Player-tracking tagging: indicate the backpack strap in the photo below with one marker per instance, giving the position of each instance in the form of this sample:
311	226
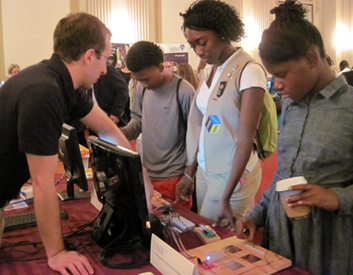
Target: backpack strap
182	121
241	73
181	117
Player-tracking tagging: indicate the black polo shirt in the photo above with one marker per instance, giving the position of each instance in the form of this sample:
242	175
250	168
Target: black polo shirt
33	106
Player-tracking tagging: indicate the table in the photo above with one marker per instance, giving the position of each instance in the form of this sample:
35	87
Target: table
30	258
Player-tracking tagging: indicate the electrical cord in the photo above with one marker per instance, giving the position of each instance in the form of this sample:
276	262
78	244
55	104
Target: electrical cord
180	245
138	254
60	180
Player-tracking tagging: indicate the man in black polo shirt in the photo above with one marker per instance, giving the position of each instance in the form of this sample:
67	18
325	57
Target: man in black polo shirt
33	106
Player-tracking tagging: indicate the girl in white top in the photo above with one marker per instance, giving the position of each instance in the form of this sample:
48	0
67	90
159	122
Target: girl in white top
220	131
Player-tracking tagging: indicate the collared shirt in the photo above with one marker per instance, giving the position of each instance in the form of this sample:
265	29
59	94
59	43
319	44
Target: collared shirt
33	106
315	141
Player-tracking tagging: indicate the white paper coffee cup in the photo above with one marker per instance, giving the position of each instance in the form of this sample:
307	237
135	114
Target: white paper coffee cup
282	187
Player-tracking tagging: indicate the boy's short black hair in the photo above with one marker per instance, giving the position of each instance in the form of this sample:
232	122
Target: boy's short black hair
144	55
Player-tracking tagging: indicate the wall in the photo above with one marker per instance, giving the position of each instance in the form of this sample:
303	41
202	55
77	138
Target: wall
27	26
171	25
27	29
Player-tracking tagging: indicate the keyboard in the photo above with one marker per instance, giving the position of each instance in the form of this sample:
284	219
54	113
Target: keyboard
25	220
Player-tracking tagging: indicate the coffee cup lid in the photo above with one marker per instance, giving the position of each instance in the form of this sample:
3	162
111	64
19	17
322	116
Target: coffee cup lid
283	185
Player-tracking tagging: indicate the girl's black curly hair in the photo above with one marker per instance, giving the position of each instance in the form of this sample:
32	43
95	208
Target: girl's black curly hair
143	55
290	35
216	16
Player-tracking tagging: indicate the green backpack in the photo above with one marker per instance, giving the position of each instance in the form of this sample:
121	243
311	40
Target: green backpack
266	132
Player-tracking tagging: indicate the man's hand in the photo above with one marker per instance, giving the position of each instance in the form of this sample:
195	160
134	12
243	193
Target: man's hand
184	189
70	261
246	229
314	195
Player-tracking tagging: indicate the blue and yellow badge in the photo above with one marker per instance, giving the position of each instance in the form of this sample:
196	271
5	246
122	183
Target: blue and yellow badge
213	124
222	86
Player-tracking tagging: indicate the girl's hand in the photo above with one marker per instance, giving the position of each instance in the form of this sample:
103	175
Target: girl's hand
225	212
314	195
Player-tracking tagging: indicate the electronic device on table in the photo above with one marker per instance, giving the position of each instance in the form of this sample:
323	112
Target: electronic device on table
118	180
22	220
236	256
69	153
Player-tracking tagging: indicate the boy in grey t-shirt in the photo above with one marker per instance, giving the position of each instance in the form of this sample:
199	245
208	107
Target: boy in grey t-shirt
160	113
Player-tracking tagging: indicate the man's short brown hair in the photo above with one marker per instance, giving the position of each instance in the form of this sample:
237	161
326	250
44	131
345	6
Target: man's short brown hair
77	33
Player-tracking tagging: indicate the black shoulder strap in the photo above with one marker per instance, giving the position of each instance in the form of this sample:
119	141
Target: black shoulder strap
181	116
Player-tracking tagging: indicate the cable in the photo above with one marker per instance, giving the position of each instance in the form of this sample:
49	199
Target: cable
59	181
6	257
139	256
81	228
138	253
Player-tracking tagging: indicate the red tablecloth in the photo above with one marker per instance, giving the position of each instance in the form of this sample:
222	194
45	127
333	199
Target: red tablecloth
29	257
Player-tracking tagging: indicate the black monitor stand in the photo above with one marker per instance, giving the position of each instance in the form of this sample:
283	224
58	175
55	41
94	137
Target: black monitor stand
71	193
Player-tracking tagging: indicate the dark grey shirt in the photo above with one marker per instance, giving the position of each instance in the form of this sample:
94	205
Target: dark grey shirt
316	142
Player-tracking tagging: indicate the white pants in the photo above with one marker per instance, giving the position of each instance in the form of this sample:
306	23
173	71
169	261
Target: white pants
2	224
209	190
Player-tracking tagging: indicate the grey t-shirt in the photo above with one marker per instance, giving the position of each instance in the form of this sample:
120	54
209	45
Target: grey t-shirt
156	114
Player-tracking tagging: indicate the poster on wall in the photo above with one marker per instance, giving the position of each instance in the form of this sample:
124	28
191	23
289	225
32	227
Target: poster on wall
176	54
118	52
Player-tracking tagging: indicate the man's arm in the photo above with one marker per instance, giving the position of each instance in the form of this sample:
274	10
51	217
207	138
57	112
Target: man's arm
42	169
100	123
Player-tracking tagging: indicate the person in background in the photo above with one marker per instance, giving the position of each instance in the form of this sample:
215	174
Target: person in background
160	116
174	67
344	67
349	77
112	94
224	115
33	106
125	72
13	69
132	85
185	71
315	142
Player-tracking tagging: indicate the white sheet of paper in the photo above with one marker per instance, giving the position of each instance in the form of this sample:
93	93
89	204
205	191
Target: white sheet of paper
16	204
168	261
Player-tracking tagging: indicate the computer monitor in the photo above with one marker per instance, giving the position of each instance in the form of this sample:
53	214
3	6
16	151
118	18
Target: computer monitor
70	155
118	180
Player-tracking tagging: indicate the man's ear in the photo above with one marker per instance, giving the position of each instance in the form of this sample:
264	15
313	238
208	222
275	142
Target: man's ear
88	55
161	67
